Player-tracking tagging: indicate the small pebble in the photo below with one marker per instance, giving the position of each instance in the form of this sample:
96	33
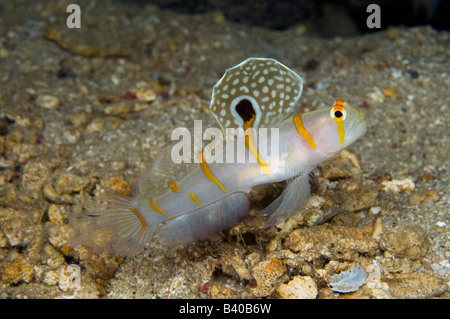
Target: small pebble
441	224
301	287
377	229
69	183
415	285
406	242
119	108
57	214
16	270
399	186
3	240
389	93
375	210
48	102
441	268
376	95
95	126
147	95
268	275
343	165
50	278
362	198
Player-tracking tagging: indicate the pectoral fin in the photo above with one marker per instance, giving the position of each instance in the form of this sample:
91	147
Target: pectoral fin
293	198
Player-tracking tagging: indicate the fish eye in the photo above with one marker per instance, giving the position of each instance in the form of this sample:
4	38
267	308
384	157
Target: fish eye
338	113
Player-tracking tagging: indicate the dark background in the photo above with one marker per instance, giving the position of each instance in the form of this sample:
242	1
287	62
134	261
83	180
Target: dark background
322	17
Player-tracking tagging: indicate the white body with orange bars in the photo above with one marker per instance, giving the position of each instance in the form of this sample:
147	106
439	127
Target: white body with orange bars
182	203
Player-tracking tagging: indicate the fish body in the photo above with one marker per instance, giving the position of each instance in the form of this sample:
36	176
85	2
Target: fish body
182	202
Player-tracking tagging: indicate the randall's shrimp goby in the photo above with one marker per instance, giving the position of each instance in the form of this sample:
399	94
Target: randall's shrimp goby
187	196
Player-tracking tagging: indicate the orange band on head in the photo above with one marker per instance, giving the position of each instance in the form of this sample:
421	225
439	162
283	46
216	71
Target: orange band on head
339	106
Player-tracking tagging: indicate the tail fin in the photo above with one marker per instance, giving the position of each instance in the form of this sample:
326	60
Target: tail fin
115	226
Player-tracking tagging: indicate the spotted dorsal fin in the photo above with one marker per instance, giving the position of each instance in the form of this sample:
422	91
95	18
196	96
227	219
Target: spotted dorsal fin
259	92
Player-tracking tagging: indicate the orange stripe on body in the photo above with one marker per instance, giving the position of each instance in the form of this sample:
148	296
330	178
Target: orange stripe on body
173	186
194	199
139	216
298	123
250	144
157	209
208	174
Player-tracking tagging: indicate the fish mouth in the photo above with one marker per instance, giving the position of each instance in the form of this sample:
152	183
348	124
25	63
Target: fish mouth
362	125
358	128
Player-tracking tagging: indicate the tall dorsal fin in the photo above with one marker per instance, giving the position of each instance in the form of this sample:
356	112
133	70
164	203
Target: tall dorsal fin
166	173
259	91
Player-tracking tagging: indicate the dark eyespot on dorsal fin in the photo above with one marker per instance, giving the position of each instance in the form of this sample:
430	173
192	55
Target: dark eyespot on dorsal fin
245	110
